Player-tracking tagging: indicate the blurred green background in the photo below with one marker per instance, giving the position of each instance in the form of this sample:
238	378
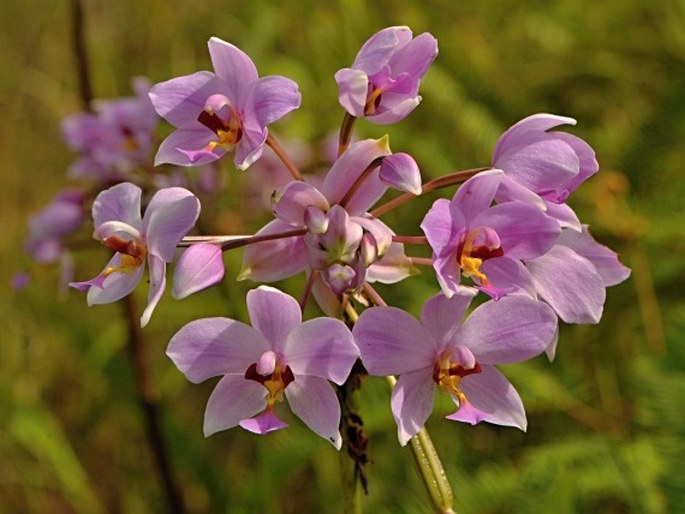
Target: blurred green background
606	418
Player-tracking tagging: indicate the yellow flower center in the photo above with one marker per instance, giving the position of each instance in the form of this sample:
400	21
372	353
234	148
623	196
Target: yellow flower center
274	382
133	254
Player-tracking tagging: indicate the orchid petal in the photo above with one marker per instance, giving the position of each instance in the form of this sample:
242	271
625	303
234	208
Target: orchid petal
441	232
353	88
391	341
232	66
209	347
564	215
233	400
442	316
181	100
199	267
524	230
412	402
513	329
321	347
493	395
602	258
169	216
118	203
116	285
295	199
570	284
270	99
401	172
274	314
157	277
277	259
415	57
313	400
396	110
392	267
250	147
378	49
475	195
266	422
187	147
534	123
348	168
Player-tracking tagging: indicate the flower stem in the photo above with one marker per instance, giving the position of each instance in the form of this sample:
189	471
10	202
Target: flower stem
421	261
360	180
437	183
345	133
426	457
150	408
85	88
278	150
412	240
430	468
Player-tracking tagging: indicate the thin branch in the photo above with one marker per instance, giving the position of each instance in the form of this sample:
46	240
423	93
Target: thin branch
437	183
345	133
278	150
78	40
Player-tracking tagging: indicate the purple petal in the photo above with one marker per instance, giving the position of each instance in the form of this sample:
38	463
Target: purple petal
295	199
475	195
441	232
232	66
187	147
401	172
511	191
116	285
270	99
233	400
415	57
392	267
250	146
524	230
382	235
448	273
534	123
509	276
602	258
378	49
412	402
494	397
325	297
199	267
512	329
586	156
392	342
442	316
321	347
157	277
274	314
313	400
541	162
269	261
570	284
169	216
209	347
353	88
564	215
118	203
347	169
395	108
266	422
181	100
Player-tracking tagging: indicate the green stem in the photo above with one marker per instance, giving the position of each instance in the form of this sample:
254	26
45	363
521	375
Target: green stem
430	468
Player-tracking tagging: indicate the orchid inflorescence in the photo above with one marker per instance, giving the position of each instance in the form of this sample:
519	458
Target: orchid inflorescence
506	235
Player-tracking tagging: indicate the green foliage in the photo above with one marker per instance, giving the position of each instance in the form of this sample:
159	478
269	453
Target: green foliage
606	419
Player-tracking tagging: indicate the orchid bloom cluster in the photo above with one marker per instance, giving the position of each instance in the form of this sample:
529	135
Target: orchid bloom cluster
507	237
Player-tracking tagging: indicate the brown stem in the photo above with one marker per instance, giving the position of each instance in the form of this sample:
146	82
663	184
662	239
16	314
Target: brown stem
437	183
278	150
308	288
421	261
150	407
345	133
360	180
135	337
77	33
412	240
258	239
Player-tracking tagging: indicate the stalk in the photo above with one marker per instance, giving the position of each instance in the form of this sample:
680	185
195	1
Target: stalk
278	150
